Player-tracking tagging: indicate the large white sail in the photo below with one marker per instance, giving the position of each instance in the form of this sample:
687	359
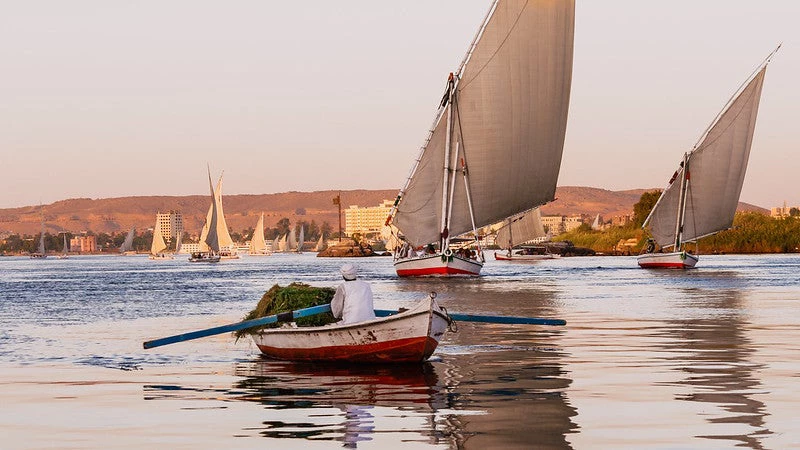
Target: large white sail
521	229
127	245
509	114
223	235
258	245
716	173
211	240
158	244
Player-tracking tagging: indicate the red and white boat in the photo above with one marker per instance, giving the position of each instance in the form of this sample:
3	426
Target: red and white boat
409	336
495	145
674	260
437	265
702	196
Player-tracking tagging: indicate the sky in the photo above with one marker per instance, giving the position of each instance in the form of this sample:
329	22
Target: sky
106	99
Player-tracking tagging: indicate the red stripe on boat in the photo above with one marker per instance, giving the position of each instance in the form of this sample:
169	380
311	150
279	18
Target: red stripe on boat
401	350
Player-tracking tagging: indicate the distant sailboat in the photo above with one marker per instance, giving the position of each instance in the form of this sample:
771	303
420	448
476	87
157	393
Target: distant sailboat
209	244
516	232
291	240
158	246
41	252
321	244
495	146
64	254
227	248
127	246
703	204
301	240
258	245
178	244
276	244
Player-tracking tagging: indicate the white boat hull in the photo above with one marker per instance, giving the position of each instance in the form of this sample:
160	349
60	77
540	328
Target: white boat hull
410	336
674	260
437	265
204	257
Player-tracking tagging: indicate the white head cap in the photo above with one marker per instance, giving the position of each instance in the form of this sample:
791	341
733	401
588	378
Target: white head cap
348	271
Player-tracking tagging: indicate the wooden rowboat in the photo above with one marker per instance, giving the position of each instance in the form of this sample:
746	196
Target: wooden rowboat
409	336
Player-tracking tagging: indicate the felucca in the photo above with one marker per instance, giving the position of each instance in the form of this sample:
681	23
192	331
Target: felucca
703	204
494	149
209	243
519	230
158	246
258	245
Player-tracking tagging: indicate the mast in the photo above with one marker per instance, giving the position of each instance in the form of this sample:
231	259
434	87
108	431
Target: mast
448	142
682	203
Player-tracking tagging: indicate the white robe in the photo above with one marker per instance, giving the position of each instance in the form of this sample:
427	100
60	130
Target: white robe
353	302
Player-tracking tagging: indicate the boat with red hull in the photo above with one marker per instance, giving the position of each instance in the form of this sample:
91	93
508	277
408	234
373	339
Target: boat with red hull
674	260
409	336
437	265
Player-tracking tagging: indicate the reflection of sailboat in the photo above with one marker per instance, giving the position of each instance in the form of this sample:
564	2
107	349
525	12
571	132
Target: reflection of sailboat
41	252
227	248
518	231
64	254
127	245
495	146
258	245
705	203
209	244
158	246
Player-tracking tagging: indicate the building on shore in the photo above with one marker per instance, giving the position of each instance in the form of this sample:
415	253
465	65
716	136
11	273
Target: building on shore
366	221
556	225
784	211
83	244
171	224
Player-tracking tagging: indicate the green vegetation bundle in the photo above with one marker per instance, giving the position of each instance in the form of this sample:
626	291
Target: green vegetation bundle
283	299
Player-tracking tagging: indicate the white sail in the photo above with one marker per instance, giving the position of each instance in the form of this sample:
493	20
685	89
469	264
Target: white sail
320	244
127	245
283	245
211	240
158	244
223	234
276	244
178	243
66	248
301	239
716	170
521	229
258	245
291	242
509	112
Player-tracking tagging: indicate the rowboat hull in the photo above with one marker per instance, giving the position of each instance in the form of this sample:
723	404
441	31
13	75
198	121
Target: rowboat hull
437	266
410	336
674	260
517	257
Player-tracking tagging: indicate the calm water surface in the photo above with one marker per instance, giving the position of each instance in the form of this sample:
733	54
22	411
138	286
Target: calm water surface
706	358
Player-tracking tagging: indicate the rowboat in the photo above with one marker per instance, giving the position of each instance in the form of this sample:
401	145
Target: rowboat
408	336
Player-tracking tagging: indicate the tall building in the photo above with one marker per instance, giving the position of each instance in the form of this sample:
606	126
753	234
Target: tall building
367	220
170	223
83	244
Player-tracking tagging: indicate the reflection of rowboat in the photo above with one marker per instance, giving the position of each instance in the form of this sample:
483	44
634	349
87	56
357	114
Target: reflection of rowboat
409	336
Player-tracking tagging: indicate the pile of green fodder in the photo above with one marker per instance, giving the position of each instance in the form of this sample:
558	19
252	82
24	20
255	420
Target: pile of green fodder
292	297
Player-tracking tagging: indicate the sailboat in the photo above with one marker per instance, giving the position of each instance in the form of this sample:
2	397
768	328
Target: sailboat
321	244
64	254
276	244
519	230
41	252
209	243
258	245
301	240
178	244
494	149
127	246
291	240
158	246
227	248
701	197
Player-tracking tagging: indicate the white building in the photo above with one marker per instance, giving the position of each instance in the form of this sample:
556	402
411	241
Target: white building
367	220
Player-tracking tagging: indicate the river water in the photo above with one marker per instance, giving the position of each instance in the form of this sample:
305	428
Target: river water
706	358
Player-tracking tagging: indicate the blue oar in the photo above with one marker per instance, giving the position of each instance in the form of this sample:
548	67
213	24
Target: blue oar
489	319
282	317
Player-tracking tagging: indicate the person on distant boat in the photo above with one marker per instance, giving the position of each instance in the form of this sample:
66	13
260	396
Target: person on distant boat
353	299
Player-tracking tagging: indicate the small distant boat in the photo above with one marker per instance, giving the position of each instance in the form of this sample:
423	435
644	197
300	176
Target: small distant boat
127	246
409	336
524	228
321	244
703	204
158	246
209	240
41	252
258	245
494	148
301	240
64	254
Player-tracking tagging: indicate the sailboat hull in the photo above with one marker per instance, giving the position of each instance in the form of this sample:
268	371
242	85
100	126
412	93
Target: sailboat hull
675	260
437	266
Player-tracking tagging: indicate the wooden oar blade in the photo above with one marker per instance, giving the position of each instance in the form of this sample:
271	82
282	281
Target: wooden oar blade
282	317
489	319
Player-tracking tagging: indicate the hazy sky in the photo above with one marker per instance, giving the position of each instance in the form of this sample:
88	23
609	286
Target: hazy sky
110	98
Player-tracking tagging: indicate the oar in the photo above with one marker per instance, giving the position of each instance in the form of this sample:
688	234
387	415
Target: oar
488	319
282	317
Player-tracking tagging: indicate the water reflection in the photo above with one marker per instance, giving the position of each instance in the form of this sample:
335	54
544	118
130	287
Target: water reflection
716	357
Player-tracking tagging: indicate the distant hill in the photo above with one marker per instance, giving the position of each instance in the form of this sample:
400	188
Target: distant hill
111	215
